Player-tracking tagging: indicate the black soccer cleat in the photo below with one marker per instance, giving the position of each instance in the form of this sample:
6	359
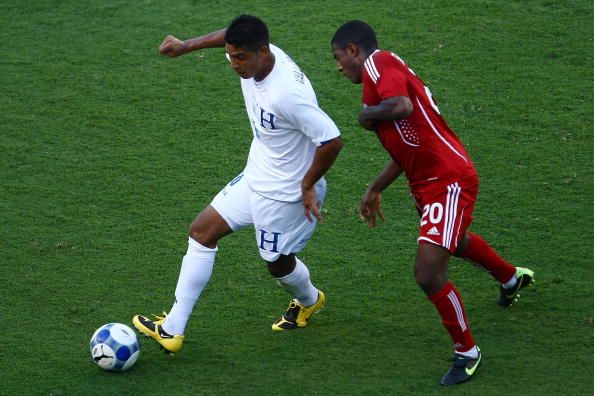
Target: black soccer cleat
463	369
525	277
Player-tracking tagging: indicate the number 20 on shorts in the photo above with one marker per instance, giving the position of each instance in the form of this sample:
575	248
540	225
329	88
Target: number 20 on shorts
434	211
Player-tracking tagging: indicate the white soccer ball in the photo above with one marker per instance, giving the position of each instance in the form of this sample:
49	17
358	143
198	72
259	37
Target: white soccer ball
115	347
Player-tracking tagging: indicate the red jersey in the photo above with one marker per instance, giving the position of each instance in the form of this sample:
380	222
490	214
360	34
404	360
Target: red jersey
422	144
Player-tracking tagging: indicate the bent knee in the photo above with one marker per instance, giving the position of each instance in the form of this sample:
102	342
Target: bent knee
283	266
203	235
208	227
430	282
424	280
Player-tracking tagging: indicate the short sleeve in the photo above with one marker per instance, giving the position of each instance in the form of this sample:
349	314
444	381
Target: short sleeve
307	117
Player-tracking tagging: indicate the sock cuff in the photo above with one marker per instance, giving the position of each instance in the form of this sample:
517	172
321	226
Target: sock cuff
199	249
449	286
471	352
300	272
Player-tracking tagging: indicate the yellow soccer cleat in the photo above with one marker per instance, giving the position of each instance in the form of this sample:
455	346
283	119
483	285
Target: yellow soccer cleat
152	328
297	315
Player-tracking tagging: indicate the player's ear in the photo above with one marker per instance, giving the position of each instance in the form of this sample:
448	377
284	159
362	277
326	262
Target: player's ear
352	50
265	49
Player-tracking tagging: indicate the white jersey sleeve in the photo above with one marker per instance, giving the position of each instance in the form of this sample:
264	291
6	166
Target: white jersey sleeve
308	117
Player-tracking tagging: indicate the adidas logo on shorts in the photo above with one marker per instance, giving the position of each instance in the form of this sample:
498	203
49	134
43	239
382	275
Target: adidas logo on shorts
433	231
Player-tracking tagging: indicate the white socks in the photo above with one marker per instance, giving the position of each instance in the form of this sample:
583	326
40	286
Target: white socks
298	284
471	353
510	283
195	272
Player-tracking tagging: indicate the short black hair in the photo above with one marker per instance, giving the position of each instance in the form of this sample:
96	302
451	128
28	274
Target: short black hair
356	32
247	32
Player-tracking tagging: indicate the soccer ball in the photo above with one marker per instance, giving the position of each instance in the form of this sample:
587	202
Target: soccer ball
114	347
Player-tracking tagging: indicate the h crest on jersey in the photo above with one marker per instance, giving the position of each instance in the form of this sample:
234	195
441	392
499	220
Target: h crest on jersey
266	119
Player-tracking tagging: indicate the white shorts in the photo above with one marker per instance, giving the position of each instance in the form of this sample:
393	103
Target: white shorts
281	227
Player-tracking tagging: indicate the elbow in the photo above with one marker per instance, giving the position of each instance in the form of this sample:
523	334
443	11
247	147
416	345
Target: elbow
407	108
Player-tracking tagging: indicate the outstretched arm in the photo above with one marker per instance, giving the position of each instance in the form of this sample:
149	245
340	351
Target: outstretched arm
173	47
325	156
372	199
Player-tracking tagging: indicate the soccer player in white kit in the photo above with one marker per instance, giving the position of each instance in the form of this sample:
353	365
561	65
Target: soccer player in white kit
280	190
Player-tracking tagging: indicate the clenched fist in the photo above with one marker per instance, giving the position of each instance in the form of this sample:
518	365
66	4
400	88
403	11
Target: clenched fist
172	47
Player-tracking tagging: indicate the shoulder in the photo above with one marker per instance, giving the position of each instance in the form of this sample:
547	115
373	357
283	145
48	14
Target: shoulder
380	60
380	63
287	98
282	60
288	69
290	85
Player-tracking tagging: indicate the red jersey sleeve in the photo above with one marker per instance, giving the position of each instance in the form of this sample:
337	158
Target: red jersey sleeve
385	73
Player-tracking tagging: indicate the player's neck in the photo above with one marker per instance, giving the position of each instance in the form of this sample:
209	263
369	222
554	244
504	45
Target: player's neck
367	54
267	67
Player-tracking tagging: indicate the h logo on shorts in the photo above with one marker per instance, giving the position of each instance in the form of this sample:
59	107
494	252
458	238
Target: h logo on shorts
263	120
273	241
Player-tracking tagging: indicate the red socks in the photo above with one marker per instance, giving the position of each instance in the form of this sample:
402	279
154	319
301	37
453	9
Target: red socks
448	302
449	305
481	253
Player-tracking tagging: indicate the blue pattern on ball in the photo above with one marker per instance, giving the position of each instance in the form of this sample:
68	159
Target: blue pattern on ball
123	353
103	336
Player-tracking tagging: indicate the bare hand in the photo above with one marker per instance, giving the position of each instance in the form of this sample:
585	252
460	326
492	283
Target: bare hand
311	204
172	47
371	203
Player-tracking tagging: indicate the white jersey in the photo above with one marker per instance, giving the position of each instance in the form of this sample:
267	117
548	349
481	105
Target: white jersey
288	125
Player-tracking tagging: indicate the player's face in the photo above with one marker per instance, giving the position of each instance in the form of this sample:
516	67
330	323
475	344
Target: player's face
243	62
348	63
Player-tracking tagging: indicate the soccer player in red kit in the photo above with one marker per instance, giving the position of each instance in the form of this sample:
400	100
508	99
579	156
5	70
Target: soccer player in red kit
399	108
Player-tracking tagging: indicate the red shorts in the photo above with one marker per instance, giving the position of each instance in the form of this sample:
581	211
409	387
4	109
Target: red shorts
446	212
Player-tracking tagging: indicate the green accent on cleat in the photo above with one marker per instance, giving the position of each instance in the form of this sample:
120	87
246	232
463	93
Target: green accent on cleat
463	369
525	277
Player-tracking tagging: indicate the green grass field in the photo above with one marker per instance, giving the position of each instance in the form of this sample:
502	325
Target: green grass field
108	151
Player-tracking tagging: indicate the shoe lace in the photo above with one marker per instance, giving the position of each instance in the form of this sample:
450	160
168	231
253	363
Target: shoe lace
158	319
293	310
